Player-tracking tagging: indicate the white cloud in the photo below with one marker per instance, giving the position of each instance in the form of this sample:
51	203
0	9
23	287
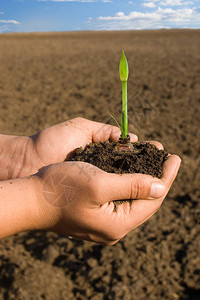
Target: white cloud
83	1
149	4
10	22
160	18
67	0
7	25
130	2
175	2
4	28
169	2
120	16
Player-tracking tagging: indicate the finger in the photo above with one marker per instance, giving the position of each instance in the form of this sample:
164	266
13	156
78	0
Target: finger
133	137
170	169
95	131
98	131
129	186
114	137
111	133
137	186
142	210
104	132
157	144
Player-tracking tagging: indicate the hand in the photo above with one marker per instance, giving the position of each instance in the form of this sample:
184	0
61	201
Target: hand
75	199
23	156
56	143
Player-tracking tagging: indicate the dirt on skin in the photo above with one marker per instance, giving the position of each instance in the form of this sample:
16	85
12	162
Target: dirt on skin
49	78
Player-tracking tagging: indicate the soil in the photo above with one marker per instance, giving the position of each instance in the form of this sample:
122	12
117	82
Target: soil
46	79
144	158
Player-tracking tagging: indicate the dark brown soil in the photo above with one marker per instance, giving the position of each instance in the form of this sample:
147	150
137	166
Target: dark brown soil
144	158
48	78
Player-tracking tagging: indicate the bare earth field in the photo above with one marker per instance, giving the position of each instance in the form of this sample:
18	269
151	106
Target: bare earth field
49	78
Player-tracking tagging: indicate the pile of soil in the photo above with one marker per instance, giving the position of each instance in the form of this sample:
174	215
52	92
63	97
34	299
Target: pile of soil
158	260
142	158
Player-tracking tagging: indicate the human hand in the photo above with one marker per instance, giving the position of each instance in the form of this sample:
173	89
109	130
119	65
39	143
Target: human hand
75	199
22	156
58	142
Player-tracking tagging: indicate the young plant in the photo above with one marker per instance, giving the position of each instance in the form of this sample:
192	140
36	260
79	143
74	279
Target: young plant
124	140
123	72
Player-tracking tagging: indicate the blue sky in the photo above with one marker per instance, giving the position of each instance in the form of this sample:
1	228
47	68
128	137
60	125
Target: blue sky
70	15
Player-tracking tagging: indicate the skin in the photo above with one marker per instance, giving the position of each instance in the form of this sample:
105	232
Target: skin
22	156
75	198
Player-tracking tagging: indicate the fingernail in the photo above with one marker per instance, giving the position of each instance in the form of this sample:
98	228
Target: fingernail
157	190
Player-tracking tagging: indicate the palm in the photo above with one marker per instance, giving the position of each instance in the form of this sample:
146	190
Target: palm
55	143
58	142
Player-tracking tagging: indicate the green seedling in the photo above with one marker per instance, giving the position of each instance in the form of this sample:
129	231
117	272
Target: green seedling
124	140
123	72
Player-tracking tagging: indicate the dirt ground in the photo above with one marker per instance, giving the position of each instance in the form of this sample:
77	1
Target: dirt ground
49	78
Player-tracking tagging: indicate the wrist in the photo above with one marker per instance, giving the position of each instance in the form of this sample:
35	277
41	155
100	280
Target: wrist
44	216
17	157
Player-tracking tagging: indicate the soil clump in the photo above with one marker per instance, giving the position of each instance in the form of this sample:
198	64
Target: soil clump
144	158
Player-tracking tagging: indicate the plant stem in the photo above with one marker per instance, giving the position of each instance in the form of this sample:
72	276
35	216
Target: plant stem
124	120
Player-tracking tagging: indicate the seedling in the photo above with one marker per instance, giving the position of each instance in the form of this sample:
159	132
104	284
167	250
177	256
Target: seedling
124	140
123	72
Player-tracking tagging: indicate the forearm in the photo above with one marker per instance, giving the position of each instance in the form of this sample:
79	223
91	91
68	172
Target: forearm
23	207
16	157
18	206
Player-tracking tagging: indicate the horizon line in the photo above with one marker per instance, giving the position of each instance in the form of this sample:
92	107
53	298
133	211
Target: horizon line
94	30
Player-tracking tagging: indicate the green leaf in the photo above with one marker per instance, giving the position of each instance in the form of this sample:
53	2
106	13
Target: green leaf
123	68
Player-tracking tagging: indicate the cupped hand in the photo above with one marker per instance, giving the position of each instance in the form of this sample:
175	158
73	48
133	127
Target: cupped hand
56	143
75	199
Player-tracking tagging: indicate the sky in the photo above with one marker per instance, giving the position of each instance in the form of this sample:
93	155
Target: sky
76	15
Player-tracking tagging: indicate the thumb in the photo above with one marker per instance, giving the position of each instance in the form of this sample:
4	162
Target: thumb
131	186
139	186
